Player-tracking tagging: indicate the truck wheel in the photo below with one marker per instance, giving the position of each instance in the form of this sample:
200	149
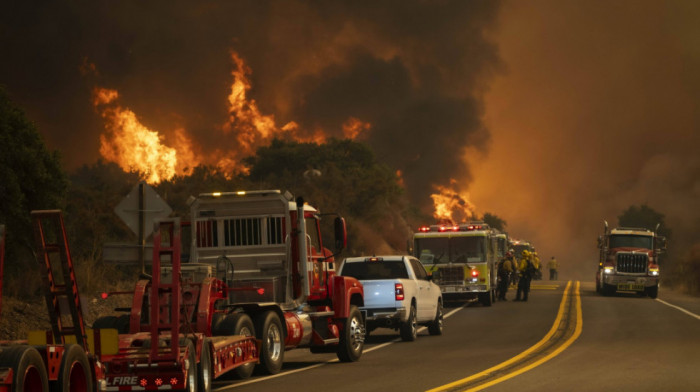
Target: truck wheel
192	372
268	328
352	337
29	372
435	326
608	290
204	373
485	298
75	374
236	324
122	324
653	291
409	328
105	322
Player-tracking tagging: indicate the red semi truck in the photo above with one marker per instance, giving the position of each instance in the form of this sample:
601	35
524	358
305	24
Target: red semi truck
268	248
629	261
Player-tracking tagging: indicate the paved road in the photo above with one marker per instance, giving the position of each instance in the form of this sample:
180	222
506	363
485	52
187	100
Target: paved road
566	337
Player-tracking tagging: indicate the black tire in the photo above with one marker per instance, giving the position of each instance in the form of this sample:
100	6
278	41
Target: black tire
236	324
29	371
75	374
352	337
409	328
597	286
485	298
105	322
435	327
608	290
122	324
204	371
268	328
653	292
192	372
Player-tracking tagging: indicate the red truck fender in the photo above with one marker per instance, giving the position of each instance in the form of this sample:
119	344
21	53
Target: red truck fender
347	291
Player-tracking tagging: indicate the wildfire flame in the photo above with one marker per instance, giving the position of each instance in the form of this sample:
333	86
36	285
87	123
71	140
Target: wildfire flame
354	127
451	205
134	147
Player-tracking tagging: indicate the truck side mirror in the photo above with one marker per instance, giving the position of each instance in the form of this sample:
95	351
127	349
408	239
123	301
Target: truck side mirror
341	234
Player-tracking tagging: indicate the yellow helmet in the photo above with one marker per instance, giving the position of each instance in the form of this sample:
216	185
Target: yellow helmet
525	253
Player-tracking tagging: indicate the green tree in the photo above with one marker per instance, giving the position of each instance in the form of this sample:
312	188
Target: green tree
646	217
94	192
340	176
31	178
495	221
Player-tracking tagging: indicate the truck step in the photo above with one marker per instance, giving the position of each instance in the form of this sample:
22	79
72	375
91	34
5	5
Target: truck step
322	314
331	341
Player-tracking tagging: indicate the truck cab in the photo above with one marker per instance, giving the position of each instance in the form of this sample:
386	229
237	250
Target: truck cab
629	261
461	258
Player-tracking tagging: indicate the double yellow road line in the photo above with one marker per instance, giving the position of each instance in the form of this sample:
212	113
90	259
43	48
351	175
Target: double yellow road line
565	330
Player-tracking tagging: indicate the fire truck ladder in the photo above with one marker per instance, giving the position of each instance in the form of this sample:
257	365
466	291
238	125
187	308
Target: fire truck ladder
62	298
166	251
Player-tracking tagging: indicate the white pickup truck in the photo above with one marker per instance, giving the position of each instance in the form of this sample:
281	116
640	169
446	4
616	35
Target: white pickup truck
399	294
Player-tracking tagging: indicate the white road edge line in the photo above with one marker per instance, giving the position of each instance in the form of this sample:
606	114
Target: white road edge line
223	388
689	313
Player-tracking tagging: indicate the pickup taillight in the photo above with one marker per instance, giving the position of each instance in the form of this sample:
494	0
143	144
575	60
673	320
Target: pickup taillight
475	273
398	291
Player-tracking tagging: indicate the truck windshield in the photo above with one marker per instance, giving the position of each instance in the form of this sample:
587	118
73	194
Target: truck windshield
435	250
374	270
631	241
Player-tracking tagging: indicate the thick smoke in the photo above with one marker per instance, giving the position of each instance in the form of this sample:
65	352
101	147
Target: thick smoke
415	70
598	111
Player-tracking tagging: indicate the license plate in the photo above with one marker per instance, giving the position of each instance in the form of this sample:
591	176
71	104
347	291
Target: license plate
630	287
449	289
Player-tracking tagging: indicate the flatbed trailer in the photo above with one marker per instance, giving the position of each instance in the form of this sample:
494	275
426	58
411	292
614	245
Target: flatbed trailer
149	357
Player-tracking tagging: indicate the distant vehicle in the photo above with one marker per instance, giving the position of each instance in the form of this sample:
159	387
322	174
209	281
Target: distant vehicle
629	261
399	294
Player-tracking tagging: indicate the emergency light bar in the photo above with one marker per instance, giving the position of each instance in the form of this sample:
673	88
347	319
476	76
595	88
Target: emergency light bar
463	227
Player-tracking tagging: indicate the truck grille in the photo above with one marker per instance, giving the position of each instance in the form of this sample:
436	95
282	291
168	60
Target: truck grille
632	262
452	275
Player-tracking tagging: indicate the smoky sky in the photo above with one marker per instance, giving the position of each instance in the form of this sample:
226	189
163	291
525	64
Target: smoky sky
597	111
415	70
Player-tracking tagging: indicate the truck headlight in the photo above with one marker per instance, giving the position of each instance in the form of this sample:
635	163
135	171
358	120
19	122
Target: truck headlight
654	271
609	269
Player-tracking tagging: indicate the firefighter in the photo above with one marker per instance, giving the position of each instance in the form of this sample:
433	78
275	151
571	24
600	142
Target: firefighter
553	266
514	275
527	270
505	269
536	260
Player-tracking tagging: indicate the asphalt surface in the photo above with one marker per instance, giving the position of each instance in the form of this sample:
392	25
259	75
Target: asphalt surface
578	341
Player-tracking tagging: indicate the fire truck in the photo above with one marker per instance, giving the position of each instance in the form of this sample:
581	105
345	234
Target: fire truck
629	261
267	247
462	258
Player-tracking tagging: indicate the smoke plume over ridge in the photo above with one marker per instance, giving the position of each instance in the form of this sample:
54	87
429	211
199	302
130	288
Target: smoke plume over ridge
413	71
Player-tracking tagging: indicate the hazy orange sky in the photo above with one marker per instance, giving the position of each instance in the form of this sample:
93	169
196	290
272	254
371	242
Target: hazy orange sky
597	110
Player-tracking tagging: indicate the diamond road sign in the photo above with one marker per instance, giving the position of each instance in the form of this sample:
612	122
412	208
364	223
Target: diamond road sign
153	208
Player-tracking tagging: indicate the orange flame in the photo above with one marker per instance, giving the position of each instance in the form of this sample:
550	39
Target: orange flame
399	176
451	205
354	127
134	147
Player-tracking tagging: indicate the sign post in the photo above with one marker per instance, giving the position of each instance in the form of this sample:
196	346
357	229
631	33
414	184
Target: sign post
139	209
